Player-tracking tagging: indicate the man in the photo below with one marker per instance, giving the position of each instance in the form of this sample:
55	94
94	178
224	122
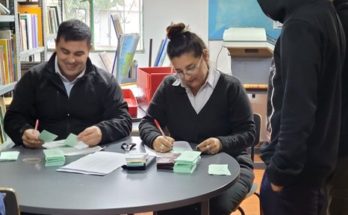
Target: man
338	204
306	106
68	94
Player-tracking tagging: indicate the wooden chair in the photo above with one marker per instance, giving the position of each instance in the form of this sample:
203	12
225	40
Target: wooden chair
257	120
10	201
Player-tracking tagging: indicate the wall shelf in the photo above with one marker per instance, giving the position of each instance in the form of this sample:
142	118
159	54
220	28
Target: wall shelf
28	53
7	88
7	18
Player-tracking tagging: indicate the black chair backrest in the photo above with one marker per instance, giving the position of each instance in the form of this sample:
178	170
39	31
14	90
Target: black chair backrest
257	120
10	201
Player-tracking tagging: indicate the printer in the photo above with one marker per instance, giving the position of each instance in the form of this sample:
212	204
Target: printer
251	57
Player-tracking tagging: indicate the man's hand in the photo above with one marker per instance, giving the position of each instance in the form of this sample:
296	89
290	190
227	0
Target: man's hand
211	145
31	139
163	144
276	188
91	136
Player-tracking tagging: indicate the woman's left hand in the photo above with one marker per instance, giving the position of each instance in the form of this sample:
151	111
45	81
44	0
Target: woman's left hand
211	145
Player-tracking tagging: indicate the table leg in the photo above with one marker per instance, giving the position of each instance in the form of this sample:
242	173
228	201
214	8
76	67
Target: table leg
205	207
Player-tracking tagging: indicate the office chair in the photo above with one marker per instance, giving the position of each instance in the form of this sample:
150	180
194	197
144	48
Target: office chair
10	200
257	120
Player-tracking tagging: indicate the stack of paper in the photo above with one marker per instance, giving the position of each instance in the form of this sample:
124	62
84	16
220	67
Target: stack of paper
9	156
187	162
167	162
99	163
136	159
54	157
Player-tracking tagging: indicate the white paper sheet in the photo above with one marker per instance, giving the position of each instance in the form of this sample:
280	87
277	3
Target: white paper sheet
99	163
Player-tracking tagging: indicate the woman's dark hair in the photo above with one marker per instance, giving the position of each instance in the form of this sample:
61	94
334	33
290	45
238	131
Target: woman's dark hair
183	41
74	30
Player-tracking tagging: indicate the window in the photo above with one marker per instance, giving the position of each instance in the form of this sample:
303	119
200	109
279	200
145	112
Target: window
97	15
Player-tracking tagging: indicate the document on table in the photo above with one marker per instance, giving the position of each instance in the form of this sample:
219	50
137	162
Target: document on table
99	163
78	149
178	147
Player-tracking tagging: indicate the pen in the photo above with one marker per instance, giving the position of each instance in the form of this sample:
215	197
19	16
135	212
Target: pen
159	127
36	124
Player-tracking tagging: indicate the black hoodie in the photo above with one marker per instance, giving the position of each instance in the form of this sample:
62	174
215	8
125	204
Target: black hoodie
306	95
342	10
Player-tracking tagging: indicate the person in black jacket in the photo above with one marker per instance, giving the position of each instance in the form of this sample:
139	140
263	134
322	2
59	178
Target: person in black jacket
68	94
306	106
338	204
205	107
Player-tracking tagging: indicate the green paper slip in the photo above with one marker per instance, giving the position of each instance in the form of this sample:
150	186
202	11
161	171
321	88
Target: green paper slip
47	136
218	169
184	168
188	157
53	154
54	157
56	163
71	140
181	146
9	156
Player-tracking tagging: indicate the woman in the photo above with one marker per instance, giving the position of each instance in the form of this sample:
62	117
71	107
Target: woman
202	106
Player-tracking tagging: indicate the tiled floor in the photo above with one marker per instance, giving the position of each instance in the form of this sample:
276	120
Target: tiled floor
250	205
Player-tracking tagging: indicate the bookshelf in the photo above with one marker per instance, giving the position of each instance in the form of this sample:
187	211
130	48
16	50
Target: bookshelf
19	56
36	46
13	56
6	21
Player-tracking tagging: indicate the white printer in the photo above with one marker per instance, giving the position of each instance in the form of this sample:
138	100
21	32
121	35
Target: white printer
247	42
251	57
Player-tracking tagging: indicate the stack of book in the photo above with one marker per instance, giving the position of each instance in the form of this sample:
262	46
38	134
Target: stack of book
54	157
134	160
167	162
187	162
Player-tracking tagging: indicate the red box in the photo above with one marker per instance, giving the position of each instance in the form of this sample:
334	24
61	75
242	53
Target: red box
149	78
128	96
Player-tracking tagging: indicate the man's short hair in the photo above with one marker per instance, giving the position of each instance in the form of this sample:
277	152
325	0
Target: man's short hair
74	30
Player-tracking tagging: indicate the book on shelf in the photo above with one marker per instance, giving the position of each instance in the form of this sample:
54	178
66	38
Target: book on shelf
29	31
36	12
107	61
162	52
3	136
54	20
8	55
123	61
116	21
5	3
4	10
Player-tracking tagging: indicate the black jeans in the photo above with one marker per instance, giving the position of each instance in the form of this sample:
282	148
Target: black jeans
293	200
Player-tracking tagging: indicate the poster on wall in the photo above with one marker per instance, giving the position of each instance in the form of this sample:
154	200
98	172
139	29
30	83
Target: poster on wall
224	14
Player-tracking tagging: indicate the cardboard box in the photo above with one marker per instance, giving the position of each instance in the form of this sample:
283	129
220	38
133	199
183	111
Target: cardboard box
149	78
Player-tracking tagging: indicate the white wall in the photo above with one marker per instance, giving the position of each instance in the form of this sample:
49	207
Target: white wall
158	14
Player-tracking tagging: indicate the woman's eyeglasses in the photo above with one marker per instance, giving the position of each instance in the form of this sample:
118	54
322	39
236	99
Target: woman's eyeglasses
189	71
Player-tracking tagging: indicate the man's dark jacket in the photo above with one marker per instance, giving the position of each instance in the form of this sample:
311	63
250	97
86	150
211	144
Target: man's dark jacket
95	99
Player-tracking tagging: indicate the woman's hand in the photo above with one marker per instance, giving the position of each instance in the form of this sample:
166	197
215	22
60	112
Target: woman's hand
211	145
163	144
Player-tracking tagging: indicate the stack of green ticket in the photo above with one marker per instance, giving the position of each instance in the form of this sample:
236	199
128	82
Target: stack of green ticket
187	162
54	157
